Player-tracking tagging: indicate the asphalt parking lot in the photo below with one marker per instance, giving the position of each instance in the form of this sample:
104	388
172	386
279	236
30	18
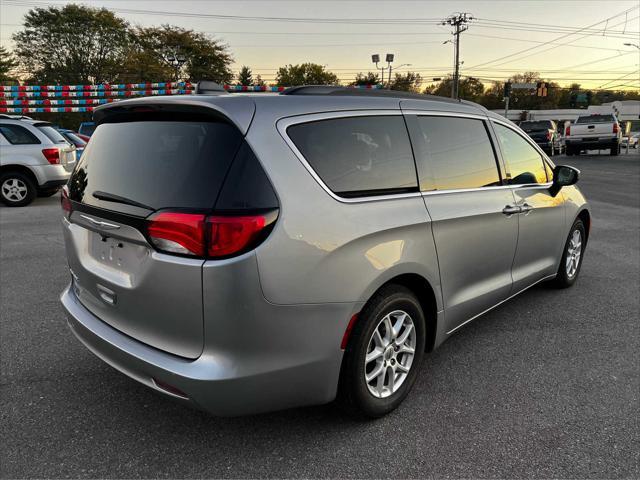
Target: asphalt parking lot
546	385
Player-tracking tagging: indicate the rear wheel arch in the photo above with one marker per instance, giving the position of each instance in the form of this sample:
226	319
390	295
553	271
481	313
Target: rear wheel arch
20	169
425	294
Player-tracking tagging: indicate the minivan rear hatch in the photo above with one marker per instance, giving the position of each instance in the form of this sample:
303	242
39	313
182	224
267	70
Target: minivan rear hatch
136	165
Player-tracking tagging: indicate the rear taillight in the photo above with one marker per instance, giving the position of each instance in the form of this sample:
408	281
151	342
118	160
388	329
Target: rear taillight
548	135
197	235
230	235
52	155
567	131
616	127
178	232
65	203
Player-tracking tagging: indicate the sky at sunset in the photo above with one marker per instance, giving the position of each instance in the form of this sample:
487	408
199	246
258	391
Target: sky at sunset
566	41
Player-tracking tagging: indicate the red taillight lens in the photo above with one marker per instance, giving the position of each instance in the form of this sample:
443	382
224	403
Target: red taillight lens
198	235
65	203
52	155
230	235
176	232
616	127
567	131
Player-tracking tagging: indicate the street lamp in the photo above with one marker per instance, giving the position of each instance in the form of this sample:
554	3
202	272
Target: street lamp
375	58
389	60
176	60
632	45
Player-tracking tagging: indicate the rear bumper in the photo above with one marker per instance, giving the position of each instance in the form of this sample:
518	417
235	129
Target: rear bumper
589	143
52	175
226	382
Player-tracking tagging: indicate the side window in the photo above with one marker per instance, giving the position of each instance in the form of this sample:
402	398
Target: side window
523	161
17	135
359	156
455	153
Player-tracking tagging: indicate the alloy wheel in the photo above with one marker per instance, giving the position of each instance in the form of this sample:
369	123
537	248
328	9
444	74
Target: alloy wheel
390	354
14	190
574	251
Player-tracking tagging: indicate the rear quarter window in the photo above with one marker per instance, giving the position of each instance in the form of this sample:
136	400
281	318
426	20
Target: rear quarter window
51	133
358	156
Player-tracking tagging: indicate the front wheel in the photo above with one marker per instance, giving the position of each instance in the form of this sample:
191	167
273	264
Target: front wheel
571	261
383	356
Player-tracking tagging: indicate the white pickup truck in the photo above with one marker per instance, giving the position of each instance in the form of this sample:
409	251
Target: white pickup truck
593	132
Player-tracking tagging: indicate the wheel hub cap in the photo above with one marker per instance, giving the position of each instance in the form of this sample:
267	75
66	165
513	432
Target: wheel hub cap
390	354
14	189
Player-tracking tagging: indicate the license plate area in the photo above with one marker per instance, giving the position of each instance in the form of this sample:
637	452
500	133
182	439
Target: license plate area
116	253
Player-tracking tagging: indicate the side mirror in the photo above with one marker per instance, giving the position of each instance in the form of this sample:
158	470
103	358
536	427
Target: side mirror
563	176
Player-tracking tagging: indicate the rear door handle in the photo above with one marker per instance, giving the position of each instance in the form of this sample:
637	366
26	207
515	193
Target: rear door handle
511	209
526	208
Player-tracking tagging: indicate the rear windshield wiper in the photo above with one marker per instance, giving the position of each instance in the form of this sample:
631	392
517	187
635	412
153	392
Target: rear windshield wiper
110	197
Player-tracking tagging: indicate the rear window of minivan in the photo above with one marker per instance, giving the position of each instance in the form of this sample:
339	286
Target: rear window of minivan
358	156
155	164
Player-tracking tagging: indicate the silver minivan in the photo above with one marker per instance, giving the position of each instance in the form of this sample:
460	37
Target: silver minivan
251	253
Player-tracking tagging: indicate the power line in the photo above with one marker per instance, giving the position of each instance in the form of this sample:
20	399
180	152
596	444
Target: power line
551	41
620	78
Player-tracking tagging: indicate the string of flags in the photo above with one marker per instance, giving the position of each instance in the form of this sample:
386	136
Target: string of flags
21	99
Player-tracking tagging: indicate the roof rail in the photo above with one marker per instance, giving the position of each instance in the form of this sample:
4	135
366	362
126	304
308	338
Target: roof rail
334	90
207	87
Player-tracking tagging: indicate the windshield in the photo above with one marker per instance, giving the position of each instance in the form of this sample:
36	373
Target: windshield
596	119
87	128
531	126
76	140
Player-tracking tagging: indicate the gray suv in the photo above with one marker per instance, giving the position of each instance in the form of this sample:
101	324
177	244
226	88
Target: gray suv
251	253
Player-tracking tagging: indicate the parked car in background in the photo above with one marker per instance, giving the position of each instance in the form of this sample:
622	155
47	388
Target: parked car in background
545	134
594	132
631	140
35	159
87	128
246	254
75	139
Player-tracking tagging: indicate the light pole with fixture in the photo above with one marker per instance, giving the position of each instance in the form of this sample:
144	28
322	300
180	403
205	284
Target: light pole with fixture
375	58
176	60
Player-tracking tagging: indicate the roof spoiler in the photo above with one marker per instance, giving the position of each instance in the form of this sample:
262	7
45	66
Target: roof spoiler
207	87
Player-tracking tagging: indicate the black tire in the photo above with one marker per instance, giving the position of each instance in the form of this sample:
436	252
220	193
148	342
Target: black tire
10	196
48	193
615	150
353	391
569	151
563	278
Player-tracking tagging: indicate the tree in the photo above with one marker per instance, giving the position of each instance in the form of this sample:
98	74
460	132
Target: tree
259	82
206	59
245	77
469	88
409	82
370	78
305	74
71	44
7	64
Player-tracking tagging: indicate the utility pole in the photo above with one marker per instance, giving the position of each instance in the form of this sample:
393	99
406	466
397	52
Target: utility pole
459	21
